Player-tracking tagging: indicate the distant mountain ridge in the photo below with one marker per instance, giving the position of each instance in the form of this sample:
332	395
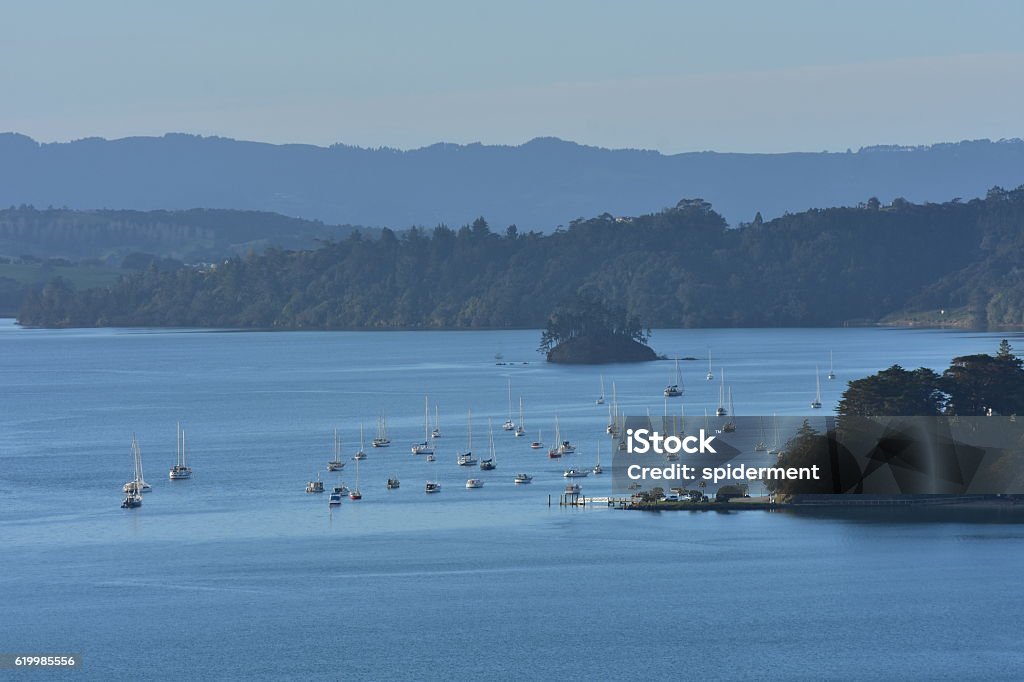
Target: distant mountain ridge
537	185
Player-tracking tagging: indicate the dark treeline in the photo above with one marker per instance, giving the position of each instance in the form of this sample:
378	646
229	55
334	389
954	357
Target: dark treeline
682	267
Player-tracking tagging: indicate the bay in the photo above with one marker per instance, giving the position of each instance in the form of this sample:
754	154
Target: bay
239	573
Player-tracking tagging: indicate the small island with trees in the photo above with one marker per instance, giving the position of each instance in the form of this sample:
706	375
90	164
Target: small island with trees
586	329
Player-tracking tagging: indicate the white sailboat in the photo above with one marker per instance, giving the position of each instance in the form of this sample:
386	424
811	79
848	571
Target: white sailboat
597	467
831	372
492	461
180	470
564	445
761	445
775	447
134	487
613	415
354	494
539	443
521	426
336	464
556	451
424	448
509	425
730	425
710	375
436	433
675	390
360	453
382	440
600	398
816	403
138	483
466	459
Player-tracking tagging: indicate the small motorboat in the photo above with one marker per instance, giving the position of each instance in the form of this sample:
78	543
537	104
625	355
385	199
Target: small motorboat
393	483
475	483
432	487
521	479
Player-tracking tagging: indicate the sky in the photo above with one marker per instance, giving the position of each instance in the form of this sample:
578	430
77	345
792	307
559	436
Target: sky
673	76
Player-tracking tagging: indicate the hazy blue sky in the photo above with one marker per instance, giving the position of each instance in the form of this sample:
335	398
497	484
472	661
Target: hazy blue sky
675	76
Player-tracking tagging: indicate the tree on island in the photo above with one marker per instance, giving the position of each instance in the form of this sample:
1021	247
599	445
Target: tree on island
972	386
978	384
586	328
894	391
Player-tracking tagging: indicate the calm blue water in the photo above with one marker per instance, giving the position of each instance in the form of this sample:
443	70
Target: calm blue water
237	571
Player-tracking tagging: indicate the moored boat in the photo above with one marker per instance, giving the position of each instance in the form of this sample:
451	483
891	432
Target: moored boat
180	470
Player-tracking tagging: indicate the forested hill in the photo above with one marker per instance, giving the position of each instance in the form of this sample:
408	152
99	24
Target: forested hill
678	267
189	235
536	185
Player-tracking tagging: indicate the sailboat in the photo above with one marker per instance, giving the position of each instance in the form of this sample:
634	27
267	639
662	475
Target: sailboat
382	440
521	426
613	415
761	445
597	467
831	372
354	494
180	470
336	464
729	426
721	411
556	451
539	443
600	398
509	424
773	449
436	433
137	484
492	461
816	403
134	487
466	459
675	390
424	448
564	446
710	375
360	453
